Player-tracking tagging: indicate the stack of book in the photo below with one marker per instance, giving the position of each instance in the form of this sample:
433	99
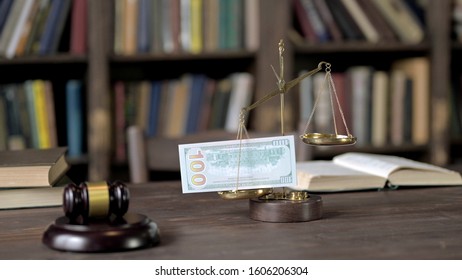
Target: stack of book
372	21
185	26
32	177
36	27
381	108
171	109
27	116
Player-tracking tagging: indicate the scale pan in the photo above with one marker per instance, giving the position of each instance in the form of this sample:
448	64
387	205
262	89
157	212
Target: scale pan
323	139
244	194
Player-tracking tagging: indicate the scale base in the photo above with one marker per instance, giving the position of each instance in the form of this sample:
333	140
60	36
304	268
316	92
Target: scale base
133	231
285	210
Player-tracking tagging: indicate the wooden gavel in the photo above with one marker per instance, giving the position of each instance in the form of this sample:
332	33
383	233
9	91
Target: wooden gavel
95	200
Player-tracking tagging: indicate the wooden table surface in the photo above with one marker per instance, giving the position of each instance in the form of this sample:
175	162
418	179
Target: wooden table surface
421	223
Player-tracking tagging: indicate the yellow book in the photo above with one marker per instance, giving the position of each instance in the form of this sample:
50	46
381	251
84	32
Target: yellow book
119	26
179	102
418	70
27	28
130	27
50	114
210	23
41	113
196	26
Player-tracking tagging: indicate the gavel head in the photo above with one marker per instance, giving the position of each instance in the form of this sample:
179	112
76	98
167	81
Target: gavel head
95	200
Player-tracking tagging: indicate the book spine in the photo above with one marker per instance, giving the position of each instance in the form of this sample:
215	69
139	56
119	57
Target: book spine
252	24
74	118
401	19
361	20
380	108
120	121
318	25
26	29
360	94
63	15
50	114
5	6
143	102
79	21
196	26
211	25
220	104
143	26
10	25
17	31
241	95
306	97
154	109
185	23
234	24
41	113
164	37
345	21
53	26
130	27
30	100
119	32
15	137
323	114
195	103
398	81
38	25
305	25
136	155
3	122
328	19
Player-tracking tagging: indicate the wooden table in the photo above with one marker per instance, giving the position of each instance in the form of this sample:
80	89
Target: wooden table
423	223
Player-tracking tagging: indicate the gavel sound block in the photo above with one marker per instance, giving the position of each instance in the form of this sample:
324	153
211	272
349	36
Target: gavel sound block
96	220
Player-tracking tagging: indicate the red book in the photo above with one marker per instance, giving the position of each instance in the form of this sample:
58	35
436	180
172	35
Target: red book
340	84
305	26
79	20
120	122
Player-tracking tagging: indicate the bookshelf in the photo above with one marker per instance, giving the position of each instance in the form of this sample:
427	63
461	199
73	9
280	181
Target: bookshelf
436	46
100	67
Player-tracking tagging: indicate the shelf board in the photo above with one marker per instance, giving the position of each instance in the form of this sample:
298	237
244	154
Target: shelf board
162	57
389	149
140	66
356	47
457	46
63	58
53	67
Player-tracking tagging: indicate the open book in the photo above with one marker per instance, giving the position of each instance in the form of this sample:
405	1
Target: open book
360	171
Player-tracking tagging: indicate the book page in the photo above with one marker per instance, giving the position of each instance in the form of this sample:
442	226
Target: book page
381	165
320	168
326	176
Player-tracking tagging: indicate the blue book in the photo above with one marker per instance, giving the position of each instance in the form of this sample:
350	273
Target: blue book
74	118
195	103
54	25
144	26
16	139
12	105
5	6
154	109
30	100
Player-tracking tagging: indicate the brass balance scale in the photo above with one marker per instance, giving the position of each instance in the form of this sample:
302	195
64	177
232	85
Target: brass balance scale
287	205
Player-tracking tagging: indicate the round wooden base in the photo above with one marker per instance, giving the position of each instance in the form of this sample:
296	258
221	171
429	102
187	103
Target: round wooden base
133	231
286	211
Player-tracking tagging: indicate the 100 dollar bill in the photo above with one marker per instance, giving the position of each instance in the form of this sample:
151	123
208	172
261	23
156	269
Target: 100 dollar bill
238	164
